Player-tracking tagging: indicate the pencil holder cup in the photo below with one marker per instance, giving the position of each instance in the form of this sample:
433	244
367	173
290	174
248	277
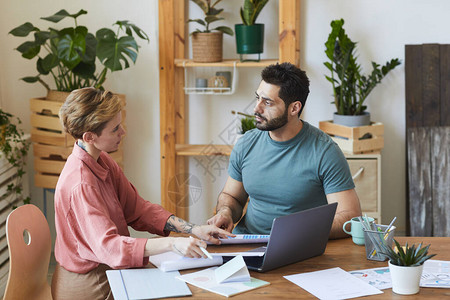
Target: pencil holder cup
373	240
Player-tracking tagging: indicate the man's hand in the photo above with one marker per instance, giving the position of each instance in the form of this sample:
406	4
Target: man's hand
211	233
222	219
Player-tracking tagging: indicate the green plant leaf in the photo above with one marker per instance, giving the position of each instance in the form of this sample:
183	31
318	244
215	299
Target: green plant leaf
30	79
202	4
72	46
85	70
225	29
63	14
24	29
199	21
130	28
114	53
41	37
211	19
44	66
29	49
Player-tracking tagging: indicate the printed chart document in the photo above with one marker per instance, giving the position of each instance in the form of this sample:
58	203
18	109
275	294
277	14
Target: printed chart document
145	284
436	274
333	283
376	277
230	279
170	261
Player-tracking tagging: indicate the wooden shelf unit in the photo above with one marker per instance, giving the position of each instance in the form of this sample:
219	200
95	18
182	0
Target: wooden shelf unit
172	58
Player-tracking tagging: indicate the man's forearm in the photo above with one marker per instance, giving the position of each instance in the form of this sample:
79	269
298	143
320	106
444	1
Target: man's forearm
228	204
176	224
339	219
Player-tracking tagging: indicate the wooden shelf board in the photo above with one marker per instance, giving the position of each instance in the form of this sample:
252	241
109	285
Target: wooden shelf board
203	150
181	62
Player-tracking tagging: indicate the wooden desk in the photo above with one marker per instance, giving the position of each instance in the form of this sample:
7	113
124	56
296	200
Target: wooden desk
339	253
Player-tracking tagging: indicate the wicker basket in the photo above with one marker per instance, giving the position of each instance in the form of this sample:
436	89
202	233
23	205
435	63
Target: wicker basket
207	47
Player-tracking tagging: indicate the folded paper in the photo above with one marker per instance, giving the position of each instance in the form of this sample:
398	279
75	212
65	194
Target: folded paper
233	271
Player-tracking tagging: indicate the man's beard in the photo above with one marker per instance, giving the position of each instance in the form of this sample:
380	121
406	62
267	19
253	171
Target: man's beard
273	124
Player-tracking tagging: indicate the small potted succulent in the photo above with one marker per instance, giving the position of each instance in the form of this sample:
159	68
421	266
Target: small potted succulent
405	266
207	42
350	86
249	34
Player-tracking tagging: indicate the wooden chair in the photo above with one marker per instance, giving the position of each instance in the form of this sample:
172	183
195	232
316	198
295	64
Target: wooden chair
30	246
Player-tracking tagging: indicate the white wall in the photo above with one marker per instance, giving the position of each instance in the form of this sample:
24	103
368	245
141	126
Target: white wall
382	28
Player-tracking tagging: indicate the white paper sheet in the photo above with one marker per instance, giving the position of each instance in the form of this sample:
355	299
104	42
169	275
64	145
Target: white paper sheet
333	283
170	261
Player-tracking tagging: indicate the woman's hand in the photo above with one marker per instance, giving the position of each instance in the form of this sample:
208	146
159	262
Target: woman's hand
211	233
189	247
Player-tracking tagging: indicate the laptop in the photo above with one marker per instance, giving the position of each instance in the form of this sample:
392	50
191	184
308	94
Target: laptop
294	238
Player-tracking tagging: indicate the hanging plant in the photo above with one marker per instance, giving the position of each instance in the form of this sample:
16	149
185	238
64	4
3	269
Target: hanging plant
14	148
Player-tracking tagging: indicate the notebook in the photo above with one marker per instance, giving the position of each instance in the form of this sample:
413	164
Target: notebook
294	238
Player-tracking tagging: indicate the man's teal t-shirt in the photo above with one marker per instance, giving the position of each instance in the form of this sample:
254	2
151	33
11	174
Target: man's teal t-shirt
286	177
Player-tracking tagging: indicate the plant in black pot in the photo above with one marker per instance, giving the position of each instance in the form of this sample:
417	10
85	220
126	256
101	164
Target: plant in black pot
249	35
350	86
207	42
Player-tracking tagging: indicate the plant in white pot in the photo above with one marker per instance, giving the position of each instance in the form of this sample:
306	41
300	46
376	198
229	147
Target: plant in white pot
207	42
406	266
350	86
249	34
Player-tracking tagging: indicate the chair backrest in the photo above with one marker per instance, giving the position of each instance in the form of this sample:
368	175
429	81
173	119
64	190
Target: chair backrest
30	246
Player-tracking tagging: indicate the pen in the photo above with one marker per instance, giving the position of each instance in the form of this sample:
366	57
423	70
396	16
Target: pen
204	250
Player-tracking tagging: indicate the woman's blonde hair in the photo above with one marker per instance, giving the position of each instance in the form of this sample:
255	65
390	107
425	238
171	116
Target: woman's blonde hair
88	110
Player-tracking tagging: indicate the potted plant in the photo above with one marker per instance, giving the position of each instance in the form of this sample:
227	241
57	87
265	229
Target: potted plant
207	43
249	35
245	123
73	58
405	266
14	149
71	55
350	86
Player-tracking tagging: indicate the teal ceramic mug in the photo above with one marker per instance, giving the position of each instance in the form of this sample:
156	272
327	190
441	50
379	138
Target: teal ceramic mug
356	230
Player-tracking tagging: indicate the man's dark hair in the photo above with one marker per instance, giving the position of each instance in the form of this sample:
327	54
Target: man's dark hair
293	82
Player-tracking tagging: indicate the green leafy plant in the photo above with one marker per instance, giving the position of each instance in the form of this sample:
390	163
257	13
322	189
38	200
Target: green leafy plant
211	16
14	148
250	11
70	54
247	121
350	87
407	256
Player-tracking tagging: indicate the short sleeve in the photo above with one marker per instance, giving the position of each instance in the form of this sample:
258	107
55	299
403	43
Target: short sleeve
235	165
334	171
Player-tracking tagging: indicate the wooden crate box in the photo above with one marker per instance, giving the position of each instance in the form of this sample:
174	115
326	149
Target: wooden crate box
49	161
355	140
